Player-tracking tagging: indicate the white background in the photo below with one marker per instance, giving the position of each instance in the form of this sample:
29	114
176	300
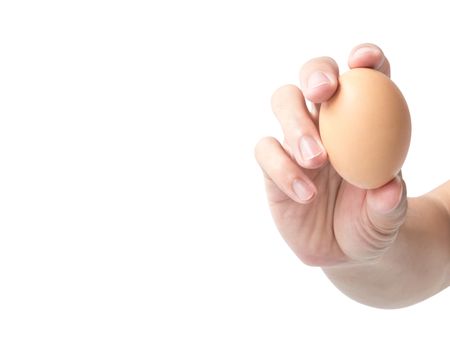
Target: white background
132	212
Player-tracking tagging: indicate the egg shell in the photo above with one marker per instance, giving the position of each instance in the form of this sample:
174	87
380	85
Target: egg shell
366	128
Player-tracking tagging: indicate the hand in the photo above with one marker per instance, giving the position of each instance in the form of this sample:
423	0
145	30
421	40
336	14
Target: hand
324	219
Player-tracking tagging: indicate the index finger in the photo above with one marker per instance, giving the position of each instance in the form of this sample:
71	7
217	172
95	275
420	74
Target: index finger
319	79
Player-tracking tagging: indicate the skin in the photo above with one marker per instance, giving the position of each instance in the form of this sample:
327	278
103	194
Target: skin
379	247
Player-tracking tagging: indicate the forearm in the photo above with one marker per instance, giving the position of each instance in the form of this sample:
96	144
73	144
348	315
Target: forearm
414	268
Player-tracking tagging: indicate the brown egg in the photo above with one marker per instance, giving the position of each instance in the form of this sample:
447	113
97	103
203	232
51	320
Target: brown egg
366	128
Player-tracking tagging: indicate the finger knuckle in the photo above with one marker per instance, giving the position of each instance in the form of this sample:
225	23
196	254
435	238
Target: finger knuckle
263	145
280	167
281	96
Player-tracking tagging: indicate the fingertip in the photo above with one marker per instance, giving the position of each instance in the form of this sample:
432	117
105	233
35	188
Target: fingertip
304	191
282	171
369	56
314	163
319	79
312	153
320	87
388	197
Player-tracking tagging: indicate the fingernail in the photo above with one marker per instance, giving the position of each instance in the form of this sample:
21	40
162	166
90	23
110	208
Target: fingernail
317	79
389	206
364	51
309	148
302	190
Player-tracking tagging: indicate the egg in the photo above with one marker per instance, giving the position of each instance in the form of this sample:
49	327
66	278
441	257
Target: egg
366	128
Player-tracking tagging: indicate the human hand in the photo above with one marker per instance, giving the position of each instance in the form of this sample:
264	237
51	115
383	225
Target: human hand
325	220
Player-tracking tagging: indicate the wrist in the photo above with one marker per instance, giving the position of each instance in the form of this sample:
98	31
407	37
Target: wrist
428	223
441	199
415	267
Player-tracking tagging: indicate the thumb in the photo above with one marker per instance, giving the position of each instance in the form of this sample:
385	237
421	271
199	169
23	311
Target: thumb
387	206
